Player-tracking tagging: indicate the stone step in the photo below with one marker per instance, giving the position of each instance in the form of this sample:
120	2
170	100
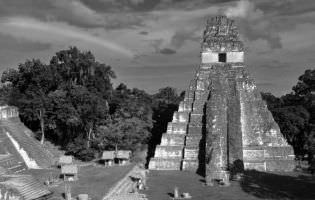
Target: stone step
12	164
191	154
193	140
168	151
190	165
181	117
17	168
185	106
194	130
196	119
172	140
177	128
165	164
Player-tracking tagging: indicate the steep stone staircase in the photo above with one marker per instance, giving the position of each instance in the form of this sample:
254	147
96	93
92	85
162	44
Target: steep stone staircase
20	133
10	163
26	186
181	144
169	154
194	143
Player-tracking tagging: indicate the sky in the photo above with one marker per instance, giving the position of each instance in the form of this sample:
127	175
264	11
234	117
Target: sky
152	44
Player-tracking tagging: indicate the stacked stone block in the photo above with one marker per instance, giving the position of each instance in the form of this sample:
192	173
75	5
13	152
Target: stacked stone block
223	119
217	120
194	145
168	155
264	147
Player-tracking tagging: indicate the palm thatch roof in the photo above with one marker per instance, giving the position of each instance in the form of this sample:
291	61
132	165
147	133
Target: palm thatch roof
108	155
69	169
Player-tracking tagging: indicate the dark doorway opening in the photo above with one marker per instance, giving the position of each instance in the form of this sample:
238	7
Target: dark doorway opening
222	57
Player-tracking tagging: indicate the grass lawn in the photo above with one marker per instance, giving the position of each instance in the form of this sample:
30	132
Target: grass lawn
93	180
254	186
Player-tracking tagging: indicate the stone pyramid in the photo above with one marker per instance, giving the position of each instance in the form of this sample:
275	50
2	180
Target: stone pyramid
222	119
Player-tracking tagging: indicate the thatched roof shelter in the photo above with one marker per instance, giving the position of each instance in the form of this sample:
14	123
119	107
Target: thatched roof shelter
65	160
69	169
123	154
108	155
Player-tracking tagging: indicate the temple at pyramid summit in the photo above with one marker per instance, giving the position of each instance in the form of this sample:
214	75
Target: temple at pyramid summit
222	119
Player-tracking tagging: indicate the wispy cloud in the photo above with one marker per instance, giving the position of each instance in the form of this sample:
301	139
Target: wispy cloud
36	30
242	9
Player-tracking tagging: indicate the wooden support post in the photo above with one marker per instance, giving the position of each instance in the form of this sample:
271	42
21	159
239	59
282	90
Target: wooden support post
67	190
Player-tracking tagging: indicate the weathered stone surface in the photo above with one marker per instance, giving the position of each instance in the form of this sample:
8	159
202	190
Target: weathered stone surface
181	117
193	140
168	152
191	154
173	140
223	119
165	164
221	34
217	151
190	165
177	128
194	130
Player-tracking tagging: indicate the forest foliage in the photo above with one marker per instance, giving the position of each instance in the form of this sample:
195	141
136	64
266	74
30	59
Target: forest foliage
71	102
295	114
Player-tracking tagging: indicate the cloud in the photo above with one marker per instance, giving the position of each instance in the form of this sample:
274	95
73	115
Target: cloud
167	51
181	36
35	30
143	32
122	5
299	38
124	21
73	12
240	10
136	2
76	12
21	45
172	28
243	9
253	23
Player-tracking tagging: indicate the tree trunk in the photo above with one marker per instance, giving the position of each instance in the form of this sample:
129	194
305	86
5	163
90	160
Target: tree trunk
42	125
88	138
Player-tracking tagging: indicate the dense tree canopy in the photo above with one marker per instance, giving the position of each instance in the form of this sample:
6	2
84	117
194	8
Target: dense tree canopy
295	114
71	102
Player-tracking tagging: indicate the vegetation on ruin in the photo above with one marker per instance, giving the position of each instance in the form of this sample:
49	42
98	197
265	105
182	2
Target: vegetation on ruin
71	101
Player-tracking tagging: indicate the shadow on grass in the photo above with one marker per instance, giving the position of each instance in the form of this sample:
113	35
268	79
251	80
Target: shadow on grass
274	186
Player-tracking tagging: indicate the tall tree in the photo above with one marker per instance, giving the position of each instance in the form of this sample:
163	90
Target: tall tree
31	83
67	98
295	113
